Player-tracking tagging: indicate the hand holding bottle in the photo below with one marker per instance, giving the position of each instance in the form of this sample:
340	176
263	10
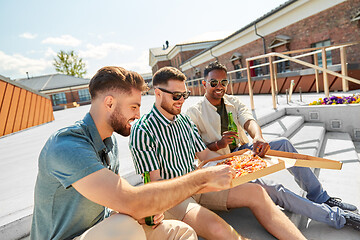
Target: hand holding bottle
226	139
157	219
232	127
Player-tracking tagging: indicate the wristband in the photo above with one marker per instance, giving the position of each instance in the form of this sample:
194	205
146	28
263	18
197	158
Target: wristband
216	145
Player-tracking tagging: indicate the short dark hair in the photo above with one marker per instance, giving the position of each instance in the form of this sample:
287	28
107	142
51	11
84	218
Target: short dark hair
213	66
163	75
116	78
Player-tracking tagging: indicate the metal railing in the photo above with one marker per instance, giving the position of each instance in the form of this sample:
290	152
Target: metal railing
313	52
284	57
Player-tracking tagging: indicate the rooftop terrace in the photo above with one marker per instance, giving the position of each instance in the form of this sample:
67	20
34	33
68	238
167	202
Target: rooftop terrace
19	152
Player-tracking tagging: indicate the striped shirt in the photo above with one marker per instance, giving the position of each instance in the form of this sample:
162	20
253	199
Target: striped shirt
158	143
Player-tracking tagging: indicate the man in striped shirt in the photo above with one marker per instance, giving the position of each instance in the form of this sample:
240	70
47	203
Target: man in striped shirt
165	143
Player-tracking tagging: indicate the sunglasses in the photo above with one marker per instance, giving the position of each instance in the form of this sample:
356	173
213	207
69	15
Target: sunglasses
214	82
176	95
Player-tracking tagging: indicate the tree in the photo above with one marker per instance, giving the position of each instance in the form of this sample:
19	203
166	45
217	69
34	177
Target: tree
69	63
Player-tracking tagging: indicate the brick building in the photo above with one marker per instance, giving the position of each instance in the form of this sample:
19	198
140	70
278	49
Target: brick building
64	90
296	24
176	55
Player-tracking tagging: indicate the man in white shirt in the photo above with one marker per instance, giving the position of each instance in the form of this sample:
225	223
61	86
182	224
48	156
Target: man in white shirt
211	118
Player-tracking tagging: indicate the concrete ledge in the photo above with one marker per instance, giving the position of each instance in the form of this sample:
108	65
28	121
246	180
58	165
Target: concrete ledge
282	127
265	117
344	115
308	138
18	229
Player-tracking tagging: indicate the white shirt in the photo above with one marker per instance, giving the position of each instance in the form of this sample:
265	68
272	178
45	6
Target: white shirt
208	121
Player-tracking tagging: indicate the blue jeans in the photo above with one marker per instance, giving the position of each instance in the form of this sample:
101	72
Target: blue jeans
313	205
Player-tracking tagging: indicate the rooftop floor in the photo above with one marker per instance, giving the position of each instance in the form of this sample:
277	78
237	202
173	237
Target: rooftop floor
19	151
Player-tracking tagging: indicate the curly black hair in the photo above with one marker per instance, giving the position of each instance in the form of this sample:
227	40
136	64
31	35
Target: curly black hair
213	66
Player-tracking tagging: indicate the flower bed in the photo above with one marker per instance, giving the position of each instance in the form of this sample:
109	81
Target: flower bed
334	100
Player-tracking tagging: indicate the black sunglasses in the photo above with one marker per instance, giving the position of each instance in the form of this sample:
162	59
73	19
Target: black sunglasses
214	82
176	95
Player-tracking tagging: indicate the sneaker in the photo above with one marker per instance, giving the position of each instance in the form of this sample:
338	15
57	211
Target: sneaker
352	220
337	202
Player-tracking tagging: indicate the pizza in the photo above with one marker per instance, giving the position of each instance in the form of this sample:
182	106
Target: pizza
245	164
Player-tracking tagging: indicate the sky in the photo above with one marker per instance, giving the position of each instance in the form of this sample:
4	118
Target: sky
110	32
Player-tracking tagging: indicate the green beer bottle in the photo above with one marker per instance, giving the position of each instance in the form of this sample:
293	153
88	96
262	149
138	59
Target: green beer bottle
232	127
148	220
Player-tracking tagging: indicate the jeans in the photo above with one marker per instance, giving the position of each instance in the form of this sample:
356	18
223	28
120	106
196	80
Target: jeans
313	205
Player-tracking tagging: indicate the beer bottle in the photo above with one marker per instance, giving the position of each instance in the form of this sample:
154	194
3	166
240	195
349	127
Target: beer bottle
148	220
232	127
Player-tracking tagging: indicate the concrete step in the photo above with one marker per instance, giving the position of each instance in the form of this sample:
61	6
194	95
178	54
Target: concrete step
17	225
266	116
308	138
282	127
357	148
342	183
18	229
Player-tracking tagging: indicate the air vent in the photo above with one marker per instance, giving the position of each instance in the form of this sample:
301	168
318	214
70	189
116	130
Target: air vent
357	133
336	124
314	115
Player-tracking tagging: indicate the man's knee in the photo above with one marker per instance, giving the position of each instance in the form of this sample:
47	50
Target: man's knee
116	227
218	230
258	195
282	141
171	229
282	144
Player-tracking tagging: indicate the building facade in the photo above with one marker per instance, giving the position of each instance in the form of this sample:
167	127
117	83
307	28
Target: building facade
294	25
64	91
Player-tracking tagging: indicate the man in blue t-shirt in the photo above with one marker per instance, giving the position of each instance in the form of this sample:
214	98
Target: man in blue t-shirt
78	174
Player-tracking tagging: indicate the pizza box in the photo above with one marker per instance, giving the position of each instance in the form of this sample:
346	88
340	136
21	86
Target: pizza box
277	160
274	164
301	160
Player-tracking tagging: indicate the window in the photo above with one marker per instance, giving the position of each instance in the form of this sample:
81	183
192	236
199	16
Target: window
59	98
84	95
328	53
189	81
238	75
235	59
258	70
282	66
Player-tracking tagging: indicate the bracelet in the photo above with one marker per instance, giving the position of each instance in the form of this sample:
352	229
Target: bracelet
216	145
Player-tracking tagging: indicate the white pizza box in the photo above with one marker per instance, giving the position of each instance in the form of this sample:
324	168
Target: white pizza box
276	161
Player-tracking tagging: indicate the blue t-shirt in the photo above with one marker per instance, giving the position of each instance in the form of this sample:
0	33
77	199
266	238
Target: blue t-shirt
71	153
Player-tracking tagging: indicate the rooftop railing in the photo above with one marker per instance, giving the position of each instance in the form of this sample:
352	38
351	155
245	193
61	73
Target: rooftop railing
284	56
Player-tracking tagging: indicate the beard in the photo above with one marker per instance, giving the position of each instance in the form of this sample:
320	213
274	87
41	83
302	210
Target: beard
169	108
119	123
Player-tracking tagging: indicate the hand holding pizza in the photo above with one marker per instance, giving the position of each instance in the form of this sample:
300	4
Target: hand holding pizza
260	146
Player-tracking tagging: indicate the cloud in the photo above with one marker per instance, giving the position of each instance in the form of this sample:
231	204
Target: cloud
50	53
103	50
64	40
16	65
141	65
28	35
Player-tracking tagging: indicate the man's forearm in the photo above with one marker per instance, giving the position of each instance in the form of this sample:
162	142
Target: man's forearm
213	146
253	128
157	197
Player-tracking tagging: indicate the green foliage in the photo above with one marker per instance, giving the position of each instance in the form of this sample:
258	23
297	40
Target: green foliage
69	63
